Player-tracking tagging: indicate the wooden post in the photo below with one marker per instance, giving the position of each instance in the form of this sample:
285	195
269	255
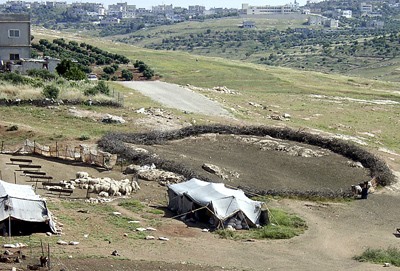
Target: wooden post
56	149
34	146
15	177
1	177
41	244
48	260
2	144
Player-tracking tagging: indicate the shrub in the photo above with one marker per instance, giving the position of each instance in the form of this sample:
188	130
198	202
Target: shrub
114	78
74	73
51	92
148	73
380	256
42	73
108	70
91	91
127	75
103	87
12	128
84	137
15	78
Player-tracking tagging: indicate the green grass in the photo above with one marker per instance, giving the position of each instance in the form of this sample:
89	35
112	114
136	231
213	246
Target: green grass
282	226
380	256
132	205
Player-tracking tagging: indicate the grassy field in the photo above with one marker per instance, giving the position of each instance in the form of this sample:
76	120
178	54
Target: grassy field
332	103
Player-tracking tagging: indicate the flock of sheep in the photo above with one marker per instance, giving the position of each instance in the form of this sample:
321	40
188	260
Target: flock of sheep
104	187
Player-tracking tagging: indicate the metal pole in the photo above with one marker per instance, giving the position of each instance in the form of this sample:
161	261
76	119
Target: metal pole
9	227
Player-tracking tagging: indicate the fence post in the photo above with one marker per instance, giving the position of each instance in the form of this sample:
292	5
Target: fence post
2	144
34	146
56	149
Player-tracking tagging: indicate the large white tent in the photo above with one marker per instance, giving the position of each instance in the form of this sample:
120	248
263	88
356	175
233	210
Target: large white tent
222	202
20	203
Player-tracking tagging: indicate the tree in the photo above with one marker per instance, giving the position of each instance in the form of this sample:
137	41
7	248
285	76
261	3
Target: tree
74	73
127	75
63	66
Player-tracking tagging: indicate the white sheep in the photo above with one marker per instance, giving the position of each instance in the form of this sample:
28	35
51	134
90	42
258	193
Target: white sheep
82	174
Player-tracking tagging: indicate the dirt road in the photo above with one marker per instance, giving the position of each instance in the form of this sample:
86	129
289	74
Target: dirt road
175	96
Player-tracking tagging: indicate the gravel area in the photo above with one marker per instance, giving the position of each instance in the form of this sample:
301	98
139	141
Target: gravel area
175	96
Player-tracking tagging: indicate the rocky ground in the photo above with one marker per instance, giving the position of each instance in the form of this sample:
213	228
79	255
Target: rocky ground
337	231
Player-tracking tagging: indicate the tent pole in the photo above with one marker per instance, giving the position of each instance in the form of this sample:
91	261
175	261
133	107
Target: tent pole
9	227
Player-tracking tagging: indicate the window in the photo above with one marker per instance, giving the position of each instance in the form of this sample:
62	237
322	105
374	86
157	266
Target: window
14	56
13	33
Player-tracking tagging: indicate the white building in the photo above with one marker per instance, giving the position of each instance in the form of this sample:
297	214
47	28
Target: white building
347	13
266	10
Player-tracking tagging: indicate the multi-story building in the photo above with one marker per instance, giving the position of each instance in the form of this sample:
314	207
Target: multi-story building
15	33
365	8
266	10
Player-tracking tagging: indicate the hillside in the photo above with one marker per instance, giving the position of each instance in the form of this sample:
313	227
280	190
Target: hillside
363	111
285	42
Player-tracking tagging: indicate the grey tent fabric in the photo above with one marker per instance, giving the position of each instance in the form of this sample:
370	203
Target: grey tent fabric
20	202
222	201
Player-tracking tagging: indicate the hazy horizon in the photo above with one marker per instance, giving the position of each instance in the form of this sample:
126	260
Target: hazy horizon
184	3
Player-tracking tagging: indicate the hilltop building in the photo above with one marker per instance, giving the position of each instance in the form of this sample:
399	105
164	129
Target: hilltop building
266	10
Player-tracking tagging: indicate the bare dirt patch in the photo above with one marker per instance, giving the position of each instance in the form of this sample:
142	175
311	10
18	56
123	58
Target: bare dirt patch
337	231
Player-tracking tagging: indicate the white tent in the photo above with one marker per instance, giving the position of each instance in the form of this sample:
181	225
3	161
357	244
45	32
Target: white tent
222	202
20	203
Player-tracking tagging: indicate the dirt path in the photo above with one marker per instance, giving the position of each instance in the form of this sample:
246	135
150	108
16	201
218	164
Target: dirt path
337	232
175	96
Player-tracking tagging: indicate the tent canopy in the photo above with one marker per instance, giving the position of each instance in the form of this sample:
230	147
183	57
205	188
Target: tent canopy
223	202
20	202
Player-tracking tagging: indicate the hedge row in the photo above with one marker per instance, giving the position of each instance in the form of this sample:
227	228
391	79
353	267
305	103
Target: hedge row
47	102
114	142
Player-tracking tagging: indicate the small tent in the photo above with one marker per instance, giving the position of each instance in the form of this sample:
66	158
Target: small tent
222	205
23	210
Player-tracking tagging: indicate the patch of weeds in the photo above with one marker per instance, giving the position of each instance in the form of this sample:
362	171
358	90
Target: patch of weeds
282	226
121	222
156	212
12	128
67	220
139	235
84	137
151	221
380	256
73	204
132	205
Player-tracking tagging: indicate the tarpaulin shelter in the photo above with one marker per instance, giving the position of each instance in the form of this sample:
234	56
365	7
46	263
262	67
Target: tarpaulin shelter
21	208
221	202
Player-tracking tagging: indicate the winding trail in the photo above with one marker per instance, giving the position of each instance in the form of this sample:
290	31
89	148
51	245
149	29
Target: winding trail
175	96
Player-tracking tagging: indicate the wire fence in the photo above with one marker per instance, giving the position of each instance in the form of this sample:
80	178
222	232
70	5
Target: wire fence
82	153
119	98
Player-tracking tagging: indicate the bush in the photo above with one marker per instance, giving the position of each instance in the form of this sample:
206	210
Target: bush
15	78
114	78
12	128
42	73
103	87
84	137
108	69
91	91
148	73
380	256
74	73
127	75
51	92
